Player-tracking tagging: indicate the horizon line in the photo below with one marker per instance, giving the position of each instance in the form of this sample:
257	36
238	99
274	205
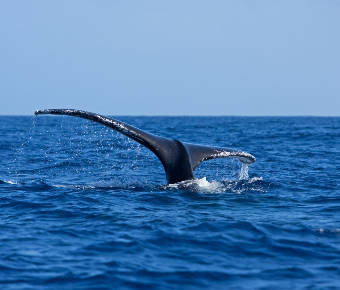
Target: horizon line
134	115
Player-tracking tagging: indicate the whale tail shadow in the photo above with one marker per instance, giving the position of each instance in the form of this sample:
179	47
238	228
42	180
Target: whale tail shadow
179	159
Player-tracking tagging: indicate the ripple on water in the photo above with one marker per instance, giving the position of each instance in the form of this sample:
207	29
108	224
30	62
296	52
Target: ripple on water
82	208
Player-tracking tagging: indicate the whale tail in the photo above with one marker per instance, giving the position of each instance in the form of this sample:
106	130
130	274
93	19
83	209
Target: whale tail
178	159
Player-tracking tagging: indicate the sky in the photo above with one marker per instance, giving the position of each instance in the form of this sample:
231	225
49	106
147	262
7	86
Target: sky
178	57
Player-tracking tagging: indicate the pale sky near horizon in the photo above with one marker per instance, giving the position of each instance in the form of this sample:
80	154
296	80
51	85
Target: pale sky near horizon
187	57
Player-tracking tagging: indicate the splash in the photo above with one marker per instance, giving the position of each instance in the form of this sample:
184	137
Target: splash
255	184
198	185
243	175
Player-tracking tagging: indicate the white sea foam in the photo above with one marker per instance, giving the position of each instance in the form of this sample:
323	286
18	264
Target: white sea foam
11	182
204	186
75	186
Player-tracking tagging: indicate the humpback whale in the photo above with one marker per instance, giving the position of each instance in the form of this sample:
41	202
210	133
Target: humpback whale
179	159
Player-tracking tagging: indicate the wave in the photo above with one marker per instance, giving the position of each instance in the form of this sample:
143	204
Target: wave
255	184
28	185
8	182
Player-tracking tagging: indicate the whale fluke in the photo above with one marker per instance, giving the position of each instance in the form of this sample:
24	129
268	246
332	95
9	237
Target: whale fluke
179	159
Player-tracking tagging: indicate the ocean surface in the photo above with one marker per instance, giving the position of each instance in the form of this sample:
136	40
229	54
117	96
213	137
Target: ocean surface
83	207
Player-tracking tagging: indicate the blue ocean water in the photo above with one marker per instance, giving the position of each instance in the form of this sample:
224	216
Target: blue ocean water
83	207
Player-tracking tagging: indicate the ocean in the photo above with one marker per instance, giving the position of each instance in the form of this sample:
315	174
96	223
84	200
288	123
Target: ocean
83	207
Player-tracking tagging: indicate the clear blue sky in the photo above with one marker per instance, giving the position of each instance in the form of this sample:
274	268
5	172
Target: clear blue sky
178	57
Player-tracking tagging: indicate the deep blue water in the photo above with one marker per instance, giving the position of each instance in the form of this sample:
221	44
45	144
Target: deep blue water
83	207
